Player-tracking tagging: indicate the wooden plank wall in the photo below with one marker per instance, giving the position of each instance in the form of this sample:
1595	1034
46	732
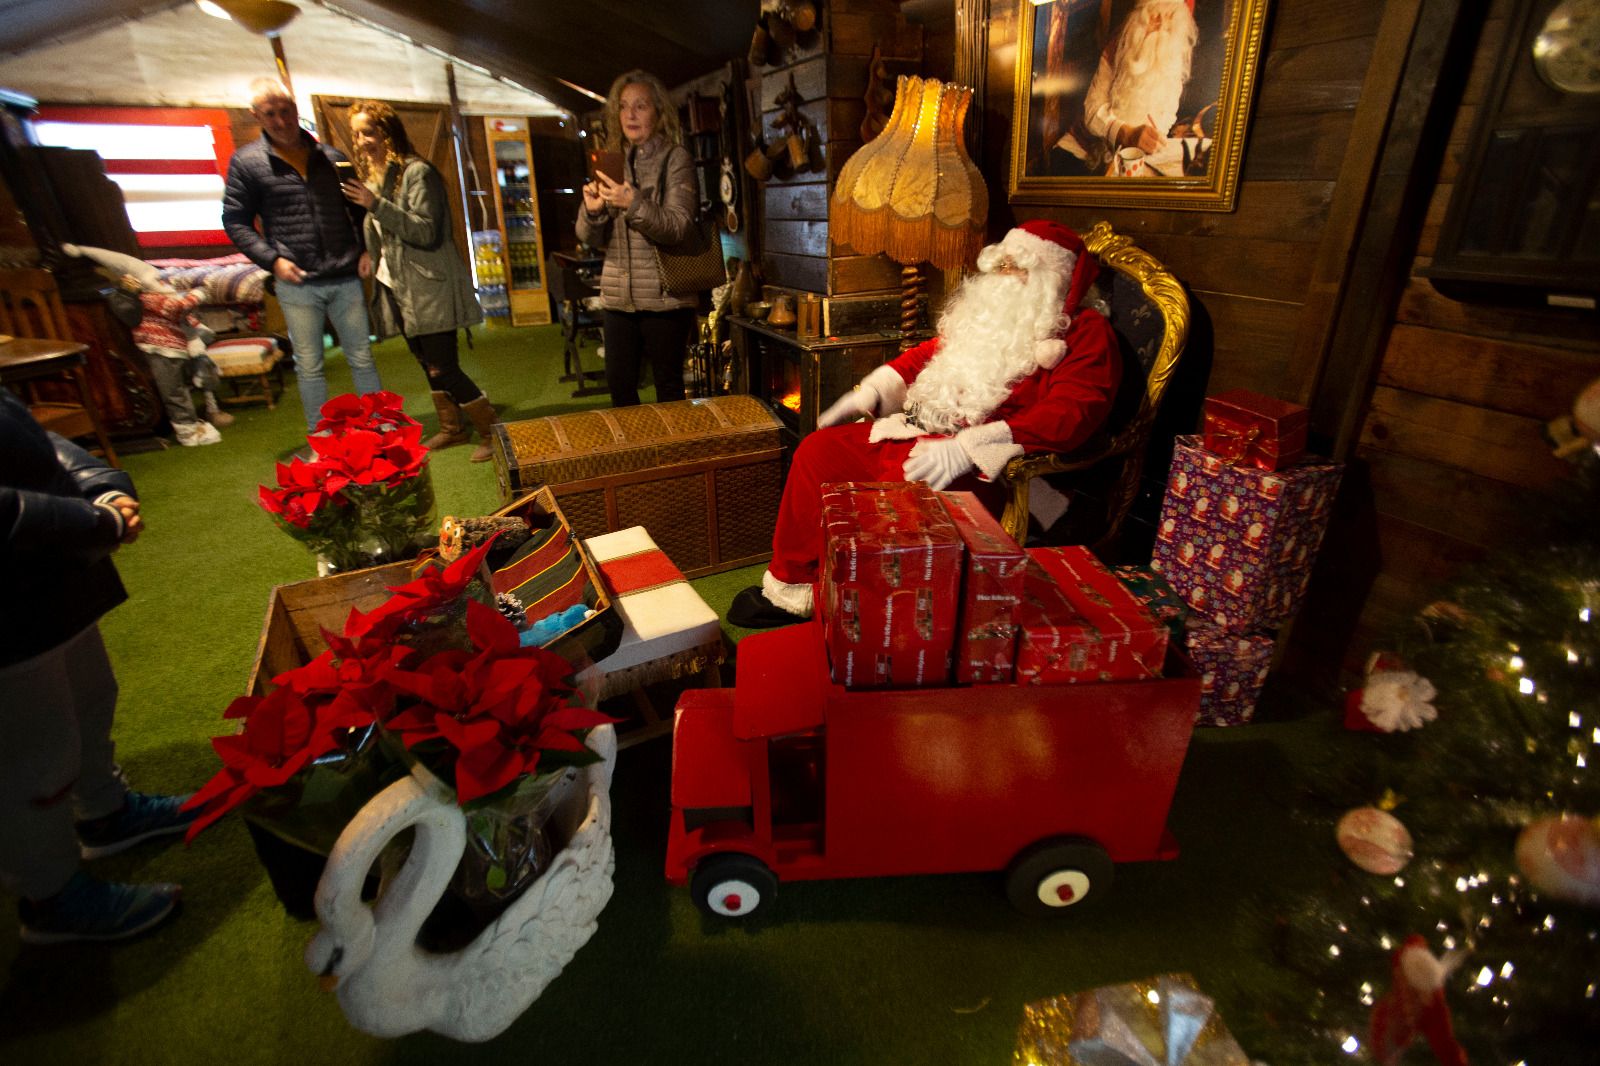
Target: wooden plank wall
831	79
1453	437
1450	447
1249	268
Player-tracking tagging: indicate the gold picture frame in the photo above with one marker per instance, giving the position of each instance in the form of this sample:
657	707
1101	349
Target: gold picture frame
1066	51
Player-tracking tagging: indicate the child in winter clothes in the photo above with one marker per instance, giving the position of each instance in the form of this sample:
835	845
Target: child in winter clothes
170	335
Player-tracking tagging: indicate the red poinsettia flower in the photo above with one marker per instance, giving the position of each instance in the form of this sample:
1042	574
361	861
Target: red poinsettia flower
283	731
427	594
373	410
499	709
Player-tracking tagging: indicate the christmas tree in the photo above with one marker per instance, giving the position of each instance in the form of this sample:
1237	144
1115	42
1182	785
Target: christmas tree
1513	652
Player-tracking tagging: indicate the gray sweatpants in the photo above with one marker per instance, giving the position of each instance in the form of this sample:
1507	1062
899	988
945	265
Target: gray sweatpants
172	382
57	760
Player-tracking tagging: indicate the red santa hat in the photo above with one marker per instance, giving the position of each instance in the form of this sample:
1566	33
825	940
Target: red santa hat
1040	244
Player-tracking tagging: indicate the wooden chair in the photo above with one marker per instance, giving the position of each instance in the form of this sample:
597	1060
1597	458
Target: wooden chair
30	306
1150	312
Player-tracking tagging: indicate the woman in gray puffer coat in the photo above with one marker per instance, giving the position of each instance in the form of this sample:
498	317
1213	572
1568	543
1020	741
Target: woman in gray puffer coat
653	205
423	289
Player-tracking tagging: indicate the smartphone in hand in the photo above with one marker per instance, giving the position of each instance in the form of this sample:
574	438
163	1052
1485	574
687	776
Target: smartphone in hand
345	169
606	162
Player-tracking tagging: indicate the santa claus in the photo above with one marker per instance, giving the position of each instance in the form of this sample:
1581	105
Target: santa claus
1132	102
1019	365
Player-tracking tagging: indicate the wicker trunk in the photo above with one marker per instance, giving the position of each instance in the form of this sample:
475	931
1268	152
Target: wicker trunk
703	476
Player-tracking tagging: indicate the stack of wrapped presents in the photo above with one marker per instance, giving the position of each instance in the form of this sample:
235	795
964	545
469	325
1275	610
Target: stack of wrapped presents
923	588
1240	526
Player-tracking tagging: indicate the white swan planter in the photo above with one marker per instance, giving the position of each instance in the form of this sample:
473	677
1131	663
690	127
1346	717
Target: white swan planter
387	985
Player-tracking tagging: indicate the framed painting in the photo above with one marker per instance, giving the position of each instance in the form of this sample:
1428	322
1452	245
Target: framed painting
1136	103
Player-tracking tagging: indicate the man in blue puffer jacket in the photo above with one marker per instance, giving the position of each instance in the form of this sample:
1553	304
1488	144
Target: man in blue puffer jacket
310	239
62	514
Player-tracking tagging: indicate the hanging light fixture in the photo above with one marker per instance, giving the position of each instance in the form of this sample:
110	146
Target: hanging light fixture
913	193
266	17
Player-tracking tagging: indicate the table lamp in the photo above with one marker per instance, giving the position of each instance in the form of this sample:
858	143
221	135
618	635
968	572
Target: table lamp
912	192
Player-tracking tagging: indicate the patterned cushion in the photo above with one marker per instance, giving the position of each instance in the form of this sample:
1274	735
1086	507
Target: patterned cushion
230	279
244	355
662	615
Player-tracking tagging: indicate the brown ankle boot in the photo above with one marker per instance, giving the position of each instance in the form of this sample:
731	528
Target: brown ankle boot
481	412
451	431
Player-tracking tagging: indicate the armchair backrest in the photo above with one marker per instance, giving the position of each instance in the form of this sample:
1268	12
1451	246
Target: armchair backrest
1149	311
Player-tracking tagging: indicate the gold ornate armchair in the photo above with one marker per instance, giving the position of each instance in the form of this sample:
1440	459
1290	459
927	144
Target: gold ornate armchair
1150	313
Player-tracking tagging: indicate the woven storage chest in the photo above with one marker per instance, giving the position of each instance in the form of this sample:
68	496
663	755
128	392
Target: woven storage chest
703	476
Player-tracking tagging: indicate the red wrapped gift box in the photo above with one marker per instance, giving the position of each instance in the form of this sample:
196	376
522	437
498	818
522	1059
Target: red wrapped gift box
1079	623
891	582
1246	427
1233	667
991	590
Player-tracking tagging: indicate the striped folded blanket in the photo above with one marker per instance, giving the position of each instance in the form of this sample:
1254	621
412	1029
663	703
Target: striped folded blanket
546	574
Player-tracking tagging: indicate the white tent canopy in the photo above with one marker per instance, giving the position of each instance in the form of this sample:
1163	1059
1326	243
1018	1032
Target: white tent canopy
182	57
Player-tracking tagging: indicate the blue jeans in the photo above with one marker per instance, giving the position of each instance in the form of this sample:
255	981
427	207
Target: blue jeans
342	302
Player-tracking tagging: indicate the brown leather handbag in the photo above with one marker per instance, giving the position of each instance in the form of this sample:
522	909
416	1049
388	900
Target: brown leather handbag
694	264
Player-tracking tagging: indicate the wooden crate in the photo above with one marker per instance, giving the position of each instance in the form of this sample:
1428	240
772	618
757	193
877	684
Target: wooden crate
703	476
297	613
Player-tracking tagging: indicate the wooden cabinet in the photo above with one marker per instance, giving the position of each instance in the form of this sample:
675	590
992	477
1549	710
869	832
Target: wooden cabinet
52	196
800	378
823	82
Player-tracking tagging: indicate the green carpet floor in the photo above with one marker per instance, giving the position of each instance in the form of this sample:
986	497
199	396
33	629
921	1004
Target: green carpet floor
912	970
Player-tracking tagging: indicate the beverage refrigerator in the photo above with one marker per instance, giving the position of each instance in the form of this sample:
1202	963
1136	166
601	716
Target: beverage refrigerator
510	261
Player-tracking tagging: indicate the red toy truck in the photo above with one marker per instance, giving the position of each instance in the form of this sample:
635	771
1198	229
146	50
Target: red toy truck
791	776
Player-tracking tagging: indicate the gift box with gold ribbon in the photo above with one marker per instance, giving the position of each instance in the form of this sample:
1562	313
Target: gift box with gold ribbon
1163	1021
1250	429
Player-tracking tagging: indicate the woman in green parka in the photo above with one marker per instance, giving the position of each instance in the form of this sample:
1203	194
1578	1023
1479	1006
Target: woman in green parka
422	287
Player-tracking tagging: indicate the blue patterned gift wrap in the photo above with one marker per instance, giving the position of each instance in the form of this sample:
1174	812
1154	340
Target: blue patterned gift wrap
1238	543
1232	669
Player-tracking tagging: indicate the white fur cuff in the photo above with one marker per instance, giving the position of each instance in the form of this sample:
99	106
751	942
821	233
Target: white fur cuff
890	388
794	597
894	427
990	447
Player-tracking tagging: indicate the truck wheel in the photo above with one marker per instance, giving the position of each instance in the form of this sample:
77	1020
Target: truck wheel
1058	874
732	885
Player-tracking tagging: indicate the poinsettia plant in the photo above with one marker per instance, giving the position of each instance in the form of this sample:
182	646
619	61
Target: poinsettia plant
482	716
366	496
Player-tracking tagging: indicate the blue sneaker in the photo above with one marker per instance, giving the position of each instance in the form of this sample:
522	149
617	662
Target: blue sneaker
141	817
95	910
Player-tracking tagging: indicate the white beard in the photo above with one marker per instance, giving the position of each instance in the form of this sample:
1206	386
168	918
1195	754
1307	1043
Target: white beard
988	342
1152	69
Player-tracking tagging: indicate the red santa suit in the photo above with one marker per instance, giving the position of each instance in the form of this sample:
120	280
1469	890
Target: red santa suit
1056	407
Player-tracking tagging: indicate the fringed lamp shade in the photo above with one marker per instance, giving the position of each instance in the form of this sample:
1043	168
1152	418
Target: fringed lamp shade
913	193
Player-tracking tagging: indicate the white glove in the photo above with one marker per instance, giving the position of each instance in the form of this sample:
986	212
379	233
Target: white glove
880	393
859	402
937	461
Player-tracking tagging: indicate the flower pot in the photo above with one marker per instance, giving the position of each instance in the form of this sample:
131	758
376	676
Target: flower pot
386	984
